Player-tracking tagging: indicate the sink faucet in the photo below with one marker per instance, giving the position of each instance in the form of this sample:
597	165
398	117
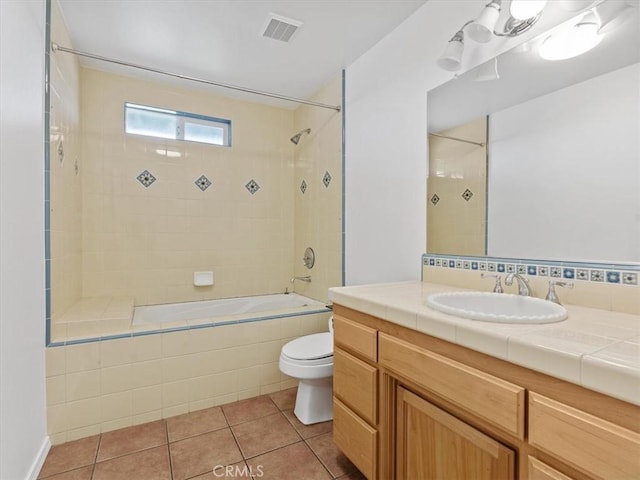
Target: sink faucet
523	283
306	278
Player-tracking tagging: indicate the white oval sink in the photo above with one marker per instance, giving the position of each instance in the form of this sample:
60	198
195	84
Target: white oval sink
497	307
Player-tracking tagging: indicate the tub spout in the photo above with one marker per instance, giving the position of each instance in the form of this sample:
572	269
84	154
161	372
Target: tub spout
306	278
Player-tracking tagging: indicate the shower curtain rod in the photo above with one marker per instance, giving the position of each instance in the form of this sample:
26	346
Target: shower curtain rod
457	139
55	47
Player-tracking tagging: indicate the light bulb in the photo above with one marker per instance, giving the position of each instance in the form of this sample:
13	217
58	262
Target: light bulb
525	9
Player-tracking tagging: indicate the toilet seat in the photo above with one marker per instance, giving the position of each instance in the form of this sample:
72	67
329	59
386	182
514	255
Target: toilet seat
310	348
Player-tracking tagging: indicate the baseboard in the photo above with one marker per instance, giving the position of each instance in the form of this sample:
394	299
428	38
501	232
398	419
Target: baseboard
36	466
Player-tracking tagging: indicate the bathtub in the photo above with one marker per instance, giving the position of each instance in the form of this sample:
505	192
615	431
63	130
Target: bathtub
236	309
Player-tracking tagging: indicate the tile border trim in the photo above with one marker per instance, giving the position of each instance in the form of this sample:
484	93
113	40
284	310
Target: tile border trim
609	273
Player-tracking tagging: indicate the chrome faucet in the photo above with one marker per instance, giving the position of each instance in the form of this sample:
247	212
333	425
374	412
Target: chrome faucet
552	296
497	288
523	284
306	278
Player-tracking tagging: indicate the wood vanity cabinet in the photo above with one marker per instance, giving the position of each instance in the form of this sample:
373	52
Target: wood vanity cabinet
410	406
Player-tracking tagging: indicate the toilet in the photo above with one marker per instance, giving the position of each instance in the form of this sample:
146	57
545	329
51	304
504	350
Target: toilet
310	360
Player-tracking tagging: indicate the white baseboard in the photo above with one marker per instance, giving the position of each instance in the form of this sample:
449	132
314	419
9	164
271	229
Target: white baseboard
39	460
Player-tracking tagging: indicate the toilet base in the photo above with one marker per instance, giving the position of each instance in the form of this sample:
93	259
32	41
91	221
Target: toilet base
314	401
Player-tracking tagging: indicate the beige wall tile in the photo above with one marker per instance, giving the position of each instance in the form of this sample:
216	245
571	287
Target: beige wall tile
147	399
175	393
81	357
56	390
116	424
175	410
116	406
146	374
83	413
116	379
55	358
147	417
115	352
81	385
82	432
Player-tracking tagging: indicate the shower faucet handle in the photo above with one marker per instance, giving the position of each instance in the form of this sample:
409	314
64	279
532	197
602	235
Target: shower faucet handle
497	288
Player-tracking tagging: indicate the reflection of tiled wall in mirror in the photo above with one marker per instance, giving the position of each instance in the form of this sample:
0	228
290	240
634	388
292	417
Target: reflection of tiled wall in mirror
456	190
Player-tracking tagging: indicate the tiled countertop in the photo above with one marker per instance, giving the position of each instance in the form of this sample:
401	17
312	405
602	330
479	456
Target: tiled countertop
597	349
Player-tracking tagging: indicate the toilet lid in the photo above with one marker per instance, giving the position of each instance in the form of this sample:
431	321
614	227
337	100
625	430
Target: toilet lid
310	347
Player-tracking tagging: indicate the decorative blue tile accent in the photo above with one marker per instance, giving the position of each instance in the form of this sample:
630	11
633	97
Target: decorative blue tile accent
626	274
582	274
146	178
303	187
613	277
326	179
467	194
203	183
252	186
435	199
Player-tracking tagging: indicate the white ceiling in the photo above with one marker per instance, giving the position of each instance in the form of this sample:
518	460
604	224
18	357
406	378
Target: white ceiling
221	40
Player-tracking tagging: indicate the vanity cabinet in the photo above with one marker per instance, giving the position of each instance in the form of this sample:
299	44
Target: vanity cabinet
431	444
355	393
411	406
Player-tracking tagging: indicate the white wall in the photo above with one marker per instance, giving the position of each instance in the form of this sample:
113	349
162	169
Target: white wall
555	159
386	140
23	439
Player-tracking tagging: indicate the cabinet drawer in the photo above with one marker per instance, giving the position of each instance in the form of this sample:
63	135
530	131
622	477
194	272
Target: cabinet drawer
587	443
355	438
541	471
493	399
355	337
354	383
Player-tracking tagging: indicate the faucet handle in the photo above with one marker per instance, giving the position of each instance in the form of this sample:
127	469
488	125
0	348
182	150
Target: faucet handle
497	288
552	296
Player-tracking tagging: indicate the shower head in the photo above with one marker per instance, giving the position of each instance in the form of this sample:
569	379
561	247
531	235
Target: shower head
296	138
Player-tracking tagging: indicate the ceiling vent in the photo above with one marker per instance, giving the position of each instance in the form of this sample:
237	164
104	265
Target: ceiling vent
280	28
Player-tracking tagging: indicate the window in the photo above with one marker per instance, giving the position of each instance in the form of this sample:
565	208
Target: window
161	123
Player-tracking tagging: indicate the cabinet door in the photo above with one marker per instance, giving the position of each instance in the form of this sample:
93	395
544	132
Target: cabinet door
433	445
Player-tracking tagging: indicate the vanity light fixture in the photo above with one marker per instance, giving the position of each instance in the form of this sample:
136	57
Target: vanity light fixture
573	40
523	14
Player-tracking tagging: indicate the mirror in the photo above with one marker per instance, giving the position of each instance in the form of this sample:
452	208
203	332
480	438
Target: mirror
544	162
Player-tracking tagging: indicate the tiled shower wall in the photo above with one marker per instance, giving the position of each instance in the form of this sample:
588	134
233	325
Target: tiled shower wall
318	192
456	191
146	237
64	174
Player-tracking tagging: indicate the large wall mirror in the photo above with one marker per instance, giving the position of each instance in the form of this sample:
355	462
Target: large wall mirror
544	161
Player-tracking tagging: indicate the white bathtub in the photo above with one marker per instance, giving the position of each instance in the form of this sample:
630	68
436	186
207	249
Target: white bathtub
233	308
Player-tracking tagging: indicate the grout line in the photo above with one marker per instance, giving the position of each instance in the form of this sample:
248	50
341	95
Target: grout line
166	434
319	459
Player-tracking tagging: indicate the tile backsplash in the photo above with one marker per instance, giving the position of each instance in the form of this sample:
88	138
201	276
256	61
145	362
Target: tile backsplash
598	285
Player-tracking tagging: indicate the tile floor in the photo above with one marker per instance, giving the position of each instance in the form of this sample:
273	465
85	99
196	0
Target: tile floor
258	436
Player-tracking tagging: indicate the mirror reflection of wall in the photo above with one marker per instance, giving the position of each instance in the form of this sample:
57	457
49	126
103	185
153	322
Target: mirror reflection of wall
563	160
456	188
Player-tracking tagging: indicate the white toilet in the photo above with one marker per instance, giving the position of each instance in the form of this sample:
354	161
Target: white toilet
310	360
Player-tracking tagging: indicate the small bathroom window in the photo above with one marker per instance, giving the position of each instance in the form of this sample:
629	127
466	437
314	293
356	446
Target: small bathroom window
162	123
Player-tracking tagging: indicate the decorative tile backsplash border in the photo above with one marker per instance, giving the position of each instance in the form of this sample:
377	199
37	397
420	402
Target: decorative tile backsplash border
587	272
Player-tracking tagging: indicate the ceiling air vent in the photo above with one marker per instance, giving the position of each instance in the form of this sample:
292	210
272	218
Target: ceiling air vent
280	28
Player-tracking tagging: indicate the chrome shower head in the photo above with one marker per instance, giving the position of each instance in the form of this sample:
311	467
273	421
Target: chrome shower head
296	138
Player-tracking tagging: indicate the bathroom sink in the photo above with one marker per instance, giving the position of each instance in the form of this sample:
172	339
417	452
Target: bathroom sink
497	307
